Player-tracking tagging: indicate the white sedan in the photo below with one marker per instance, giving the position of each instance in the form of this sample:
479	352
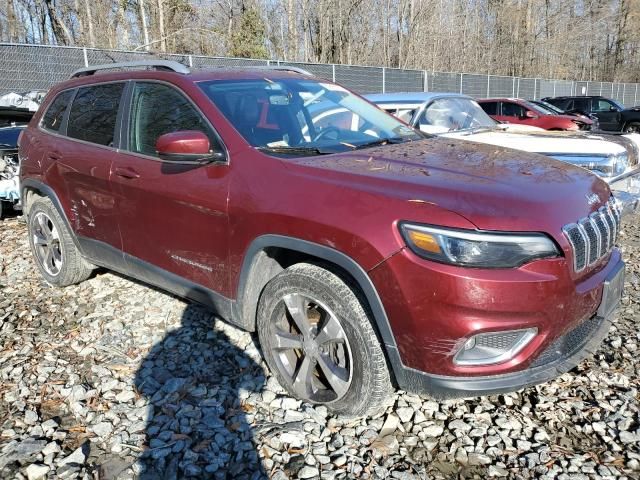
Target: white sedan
613	157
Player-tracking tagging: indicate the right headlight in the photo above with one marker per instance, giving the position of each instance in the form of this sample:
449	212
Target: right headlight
470	248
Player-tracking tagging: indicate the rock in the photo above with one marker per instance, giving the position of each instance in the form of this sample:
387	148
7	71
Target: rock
308	472
405	414
78	458
479	459
37	472
433	430
102	429
30	417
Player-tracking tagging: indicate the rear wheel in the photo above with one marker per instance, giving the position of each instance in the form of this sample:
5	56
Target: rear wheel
56	256
632	127
319	342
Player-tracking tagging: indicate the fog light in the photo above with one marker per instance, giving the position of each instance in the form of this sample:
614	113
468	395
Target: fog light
494	347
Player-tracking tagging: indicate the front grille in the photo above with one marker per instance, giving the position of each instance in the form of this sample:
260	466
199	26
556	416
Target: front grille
593	237
569	343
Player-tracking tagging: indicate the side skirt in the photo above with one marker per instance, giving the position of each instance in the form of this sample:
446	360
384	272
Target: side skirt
107	256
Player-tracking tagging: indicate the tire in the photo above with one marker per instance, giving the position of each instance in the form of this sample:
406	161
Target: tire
334	311
54	252
632	127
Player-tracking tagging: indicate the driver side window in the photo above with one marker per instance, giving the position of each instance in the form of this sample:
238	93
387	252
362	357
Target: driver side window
157	109
603	106
512	110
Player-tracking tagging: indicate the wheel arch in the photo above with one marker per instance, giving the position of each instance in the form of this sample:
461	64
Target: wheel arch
268	255
30	190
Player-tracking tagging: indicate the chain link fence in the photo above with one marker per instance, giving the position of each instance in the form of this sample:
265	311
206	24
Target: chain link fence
38	67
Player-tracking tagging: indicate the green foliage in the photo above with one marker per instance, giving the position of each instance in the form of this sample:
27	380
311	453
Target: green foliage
248	37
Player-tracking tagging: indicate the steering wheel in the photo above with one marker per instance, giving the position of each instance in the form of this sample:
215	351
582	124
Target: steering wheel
325	131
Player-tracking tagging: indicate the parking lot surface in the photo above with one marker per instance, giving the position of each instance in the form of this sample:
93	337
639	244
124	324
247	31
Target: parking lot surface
113	379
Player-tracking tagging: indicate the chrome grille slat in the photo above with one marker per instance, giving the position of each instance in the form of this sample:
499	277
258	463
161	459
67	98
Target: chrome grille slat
591	238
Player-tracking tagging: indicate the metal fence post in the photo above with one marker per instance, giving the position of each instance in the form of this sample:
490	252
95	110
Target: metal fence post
554	88
488	80
190	61
425	82
635	96
624	86
333	72
384	79
86	60
535	88
513	87
461	83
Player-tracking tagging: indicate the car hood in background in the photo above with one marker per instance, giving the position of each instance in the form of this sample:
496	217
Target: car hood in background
542	141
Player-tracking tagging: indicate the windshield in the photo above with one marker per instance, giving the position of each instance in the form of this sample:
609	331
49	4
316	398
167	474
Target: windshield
303	116
541	109
450	114
548	107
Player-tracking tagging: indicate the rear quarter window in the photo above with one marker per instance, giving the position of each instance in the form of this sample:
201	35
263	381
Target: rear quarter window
93	114
52	119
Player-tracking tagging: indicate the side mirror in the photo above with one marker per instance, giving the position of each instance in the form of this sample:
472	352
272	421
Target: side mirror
613	109
530	114
186	146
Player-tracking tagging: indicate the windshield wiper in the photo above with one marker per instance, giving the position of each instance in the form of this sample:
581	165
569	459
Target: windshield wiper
295	150
7	145
380	141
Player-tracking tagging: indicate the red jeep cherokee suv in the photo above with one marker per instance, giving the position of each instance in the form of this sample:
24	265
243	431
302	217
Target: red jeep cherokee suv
365	255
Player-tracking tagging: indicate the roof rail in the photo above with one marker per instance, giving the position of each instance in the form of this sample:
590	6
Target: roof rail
167	65
284	68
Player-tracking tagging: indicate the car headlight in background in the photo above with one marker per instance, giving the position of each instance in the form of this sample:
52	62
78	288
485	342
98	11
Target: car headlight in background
470	248
602	165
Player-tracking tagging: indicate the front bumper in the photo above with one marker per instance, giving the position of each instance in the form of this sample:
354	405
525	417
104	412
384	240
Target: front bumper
432	313
559	357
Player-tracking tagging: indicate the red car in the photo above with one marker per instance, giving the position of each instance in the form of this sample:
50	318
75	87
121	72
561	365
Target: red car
516	110
365	255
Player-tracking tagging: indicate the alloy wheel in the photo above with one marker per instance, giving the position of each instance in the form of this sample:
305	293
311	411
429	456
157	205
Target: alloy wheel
46	241
311	349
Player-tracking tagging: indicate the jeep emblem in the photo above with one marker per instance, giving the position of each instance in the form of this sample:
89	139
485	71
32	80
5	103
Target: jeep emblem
592	198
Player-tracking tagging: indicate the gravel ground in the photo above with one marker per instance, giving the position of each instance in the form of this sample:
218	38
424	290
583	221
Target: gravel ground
112	379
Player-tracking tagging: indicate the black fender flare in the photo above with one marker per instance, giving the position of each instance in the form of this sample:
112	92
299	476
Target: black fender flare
332	256
48	192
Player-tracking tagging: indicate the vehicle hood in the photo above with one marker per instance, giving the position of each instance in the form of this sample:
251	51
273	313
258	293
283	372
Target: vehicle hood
494	188
542	141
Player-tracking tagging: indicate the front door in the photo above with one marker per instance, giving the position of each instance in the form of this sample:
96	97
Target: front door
607	112
173	216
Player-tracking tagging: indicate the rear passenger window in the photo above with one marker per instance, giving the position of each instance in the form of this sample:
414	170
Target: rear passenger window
512	110
93	113
52	120
157	109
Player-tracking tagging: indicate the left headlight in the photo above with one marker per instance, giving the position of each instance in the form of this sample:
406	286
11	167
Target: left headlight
476	249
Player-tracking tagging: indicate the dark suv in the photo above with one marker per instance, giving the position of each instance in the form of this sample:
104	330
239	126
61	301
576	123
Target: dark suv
364	254
610	114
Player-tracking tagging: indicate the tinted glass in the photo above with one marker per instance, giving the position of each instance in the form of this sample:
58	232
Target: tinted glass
491	108
303	116
93	113
52	120
512	110
157	109
581	104
603	106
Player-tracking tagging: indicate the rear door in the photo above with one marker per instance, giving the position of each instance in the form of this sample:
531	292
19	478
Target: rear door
173	216
81	153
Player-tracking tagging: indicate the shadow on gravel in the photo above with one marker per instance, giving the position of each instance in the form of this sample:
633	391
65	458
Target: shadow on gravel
195	380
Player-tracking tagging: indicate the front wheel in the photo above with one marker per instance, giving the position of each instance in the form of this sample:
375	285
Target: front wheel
319	342
632	127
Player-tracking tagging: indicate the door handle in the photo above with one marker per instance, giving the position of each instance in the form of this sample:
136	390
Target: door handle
126	172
